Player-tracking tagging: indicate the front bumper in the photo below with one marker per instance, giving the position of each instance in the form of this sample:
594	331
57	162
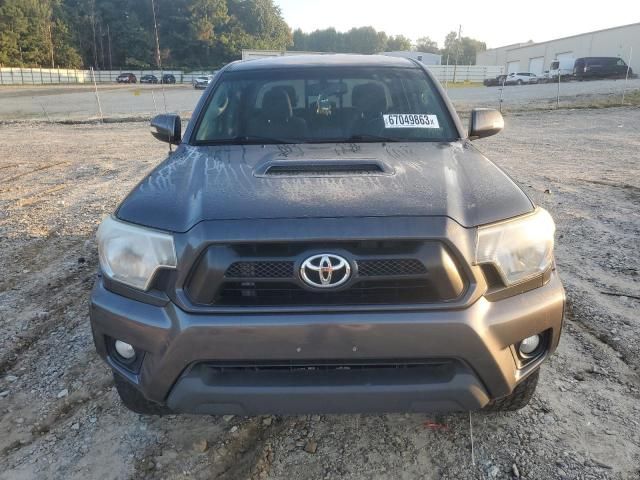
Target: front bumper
475	342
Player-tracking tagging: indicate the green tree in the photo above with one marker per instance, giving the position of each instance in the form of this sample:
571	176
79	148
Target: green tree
299	40
27	28
262	21
398	43
357	40
425	44
194	34
464	49
13	25
364	40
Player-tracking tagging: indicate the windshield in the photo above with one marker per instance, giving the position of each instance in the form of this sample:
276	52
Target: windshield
317	105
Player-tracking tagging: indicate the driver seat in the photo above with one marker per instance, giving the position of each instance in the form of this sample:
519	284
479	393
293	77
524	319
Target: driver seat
276	119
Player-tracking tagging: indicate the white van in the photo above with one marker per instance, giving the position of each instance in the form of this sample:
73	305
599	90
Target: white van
562	66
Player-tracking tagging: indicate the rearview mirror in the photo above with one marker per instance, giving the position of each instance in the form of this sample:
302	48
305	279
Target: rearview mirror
167	128
327	88
484	123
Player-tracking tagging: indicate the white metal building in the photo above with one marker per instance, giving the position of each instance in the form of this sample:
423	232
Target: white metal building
537	57
424	57
253	54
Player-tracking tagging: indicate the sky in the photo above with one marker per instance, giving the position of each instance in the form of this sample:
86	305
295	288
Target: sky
495	22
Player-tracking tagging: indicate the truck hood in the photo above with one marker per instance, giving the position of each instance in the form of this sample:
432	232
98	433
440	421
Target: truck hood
198	183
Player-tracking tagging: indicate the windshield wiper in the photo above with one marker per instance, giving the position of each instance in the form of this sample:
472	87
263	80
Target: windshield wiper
365	137
250	140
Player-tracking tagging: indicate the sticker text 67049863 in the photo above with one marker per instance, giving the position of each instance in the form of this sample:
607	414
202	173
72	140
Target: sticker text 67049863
410	120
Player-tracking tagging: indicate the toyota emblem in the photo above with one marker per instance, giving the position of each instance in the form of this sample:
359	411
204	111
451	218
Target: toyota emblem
325	270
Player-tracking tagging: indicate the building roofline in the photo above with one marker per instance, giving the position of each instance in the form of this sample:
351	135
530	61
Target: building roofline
522	45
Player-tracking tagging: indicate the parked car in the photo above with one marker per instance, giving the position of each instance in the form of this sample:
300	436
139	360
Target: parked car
202	82
148	79
600	67
562	67
493	82
126	78
544	77
256	271
168	78
521	78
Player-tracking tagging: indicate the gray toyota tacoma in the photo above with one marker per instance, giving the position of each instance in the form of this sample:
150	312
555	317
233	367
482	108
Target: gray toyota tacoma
326	238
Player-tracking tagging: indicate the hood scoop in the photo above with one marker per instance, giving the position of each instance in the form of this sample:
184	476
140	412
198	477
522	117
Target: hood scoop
322	168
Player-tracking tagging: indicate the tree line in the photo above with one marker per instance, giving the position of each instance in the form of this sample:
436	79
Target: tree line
109	34
193	34
368	40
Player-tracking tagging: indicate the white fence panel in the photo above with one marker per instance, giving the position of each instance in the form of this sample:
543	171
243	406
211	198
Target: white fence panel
57	76
464	73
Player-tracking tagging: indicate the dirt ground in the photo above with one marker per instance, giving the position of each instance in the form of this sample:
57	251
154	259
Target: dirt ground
61	418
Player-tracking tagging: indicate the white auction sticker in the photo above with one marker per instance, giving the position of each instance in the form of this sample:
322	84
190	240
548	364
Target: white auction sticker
410	120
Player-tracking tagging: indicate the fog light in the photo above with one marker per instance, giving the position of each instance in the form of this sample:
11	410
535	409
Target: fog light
125	350
529	345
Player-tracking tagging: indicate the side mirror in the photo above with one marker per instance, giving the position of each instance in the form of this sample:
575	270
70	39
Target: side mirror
167	128
484	123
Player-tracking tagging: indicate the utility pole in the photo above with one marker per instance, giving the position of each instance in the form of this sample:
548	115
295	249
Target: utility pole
455	66
626	78
158	59
93	28
109	40
101	37
53	65
155	26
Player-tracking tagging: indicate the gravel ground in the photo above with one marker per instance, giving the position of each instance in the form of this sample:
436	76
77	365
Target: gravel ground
522	97
74	102
61	417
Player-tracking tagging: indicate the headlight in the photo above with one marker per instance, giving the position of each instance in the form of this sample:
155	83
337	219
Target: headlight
132	254
520	249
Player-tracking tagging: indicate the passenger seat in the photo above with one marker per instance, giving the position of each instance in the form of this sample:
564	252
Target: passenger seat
276	118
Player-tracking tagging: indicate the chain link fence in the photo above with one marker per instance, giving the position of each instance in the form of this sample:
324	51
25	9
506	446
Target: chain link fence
67	76
62	95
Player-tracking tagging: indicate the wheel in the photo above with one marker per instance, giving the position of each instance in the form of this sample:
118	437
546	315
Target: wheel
519	82
135	401
519	398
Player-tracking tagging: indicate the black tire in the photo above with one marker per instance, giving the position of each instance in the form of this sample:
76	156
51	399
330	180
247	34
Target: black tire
519	398
519	82
135	401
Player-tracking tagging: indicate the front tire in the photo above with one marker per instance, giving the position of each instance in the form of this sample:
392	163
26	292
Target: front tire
519	82
519	398
135	401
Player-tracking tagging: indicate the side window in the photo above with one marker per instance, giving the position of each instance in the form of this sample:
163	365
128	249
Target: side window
221	118
621	63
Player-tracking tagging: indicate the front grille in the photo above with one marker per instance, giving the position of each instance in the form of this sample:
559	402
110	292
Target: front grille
366	268
392	267
290	365
338	373
384	273
377	292
260	270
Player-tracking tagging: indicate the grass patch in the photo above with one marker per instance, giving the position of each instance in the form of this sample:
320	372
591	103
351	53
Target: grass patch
462	84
